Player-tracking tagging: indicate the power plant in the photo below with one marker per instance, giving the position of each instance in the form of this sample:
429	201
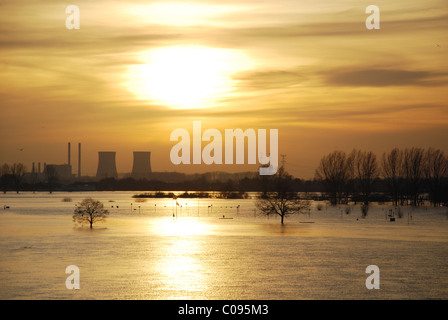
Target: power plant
142	165
61	172
106	165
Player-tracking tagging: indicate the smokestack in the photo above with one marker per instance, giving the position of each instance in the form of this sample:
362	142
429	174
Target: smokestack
38	167
34	168
69	153
79	160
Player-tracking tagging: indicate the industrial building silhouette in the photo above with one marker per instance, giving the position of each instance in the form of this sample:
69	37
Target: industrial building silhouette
61	172
107	167
62	176
142	165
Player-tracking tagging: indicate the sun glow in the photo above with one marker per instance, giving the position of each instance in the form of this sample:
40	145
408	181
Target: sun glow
186	77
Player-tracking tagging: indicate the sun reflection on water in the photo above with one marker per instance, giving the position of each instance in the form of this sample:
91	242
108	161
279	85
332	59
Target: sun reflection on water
180	227
181	266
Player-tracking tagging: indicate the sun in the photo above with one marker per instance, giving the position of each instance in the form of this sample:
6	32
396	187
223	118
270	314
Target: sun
186	77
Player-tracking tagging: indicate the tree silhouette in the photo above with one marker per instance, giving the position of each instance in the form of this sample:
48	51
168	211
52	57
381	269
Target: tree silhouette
366	172
336	172
282	201
393	173
18	172
413	165
5	177
90	211
436	171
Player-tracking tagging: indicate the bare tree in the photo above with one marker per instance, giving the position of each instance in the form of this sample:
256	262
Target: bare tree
336	172
18	172
413	164
5	177
436	171
366	172
282	201
33	180
393	173
90	211
4	169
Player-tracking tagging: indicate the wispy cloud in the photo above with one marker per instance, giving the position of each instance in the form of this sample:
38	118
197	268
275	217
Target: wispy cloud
271	79
385	78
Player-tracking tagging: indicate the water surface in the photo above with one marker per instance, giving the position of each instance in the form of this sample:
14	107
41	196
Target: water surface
143	252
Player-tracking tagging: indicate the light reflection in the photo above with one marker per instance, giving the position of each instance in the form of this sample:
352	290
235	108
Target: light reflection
181	266
180	227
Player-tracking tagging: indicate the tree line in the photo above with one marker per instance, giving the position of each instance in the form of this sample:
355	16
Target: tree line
401	176
15	177
408	175
12	176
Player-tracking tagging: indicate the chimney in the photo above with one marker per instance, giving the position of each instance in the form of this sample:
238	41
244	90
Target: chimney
34	169
38	167
79	160
69	153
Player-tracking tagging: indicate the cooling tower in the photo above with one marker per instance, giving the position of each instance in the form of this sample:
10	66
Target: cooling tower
106	165
142	165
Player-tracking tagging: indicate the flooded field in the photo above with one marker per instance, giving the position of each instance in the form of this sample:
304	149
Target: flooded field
158	249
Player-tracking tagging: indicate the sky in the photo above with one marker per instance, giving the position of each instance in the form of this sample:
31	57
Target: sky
136	70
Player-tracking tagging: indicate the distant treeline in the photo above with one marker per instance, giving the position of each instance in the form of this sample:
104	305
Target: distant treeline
12	177
407	176
402	176
160	194
187	195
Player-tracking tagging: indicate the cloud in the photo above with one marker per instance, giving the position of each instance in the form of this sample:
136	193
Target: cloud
270	79
384	78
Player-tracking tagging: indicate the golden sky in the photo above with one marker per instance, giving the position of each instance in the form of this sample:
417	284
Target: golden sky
136	70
